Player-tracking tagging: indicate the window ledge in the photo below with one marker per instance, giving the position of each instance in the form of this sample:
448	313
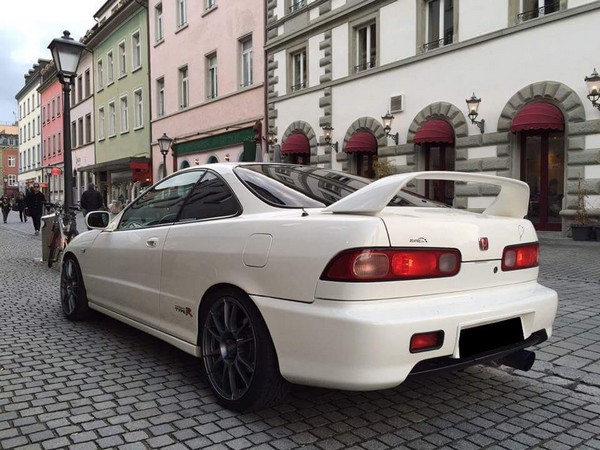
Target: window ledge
124	132
160	41
123	75
110	83
112	136
141	127
181	27
209	10
137	68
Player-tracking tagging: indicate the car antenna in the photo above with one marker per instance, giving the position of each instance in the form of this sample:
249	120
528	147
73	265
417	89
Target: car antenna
304	213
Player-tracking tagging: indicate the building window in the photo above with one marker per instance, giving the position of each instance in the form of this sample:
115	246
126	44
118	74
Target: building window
124	115
12	179
295	5
136	46
74	132
12	161
181	13
160	98
122	60
299	71
53	108
366	47
184	88
212	75
208	4
99	75
138	109
246	61
59	106
80	131
112	119
59	144
101	123
111	67
158	23
531	9
439	23
80	88
88	128
44	114
88	83
53	146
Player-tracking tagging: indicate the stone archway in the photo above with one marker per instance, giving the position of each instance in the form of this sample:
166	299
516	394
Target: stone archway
439	110
557	93
366	123
304	127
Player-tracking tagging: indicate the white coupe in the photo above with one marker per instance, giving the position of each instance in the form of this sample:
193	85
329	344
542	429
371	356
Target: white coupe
276	273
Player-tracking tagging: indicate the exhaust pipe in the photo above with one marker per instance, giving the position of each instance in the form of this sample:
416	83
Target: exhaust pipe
522	360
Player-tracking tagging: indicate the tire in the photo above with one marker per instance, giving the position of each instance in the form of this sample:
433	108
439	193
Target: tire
53	252
238	354
73	297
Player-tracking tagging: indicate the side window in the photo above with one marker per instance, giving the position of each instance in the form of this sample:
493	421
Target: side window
160	204
210	198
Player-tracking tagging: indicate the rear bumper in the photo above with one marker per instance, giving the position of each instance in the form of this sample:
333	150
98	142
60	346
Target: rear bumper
445	363
365	345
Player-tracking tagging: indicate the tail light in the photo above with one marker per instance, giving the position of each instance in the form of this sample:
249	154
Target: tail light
523	256
392	264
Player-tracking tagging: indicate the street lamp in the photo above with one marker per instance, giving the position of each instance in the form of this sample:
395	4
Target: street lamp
593	85
164	143
473	105
387	127
66	53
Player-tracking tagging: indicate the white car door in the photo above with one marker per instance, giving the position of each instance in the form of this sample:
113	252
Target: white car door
126	273
198	244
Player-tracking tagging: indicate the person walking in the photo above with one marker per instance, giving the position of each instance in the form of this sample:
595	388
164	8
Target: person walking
20	204
34	202
5	206
91	200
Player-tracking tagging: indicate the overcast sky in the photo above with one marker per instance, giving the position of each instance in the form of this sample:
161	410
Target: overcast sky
28	26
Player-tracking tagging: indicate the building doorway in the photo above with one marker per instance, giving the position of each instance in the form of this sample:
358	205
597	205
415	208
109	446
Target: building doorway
542	168
439	156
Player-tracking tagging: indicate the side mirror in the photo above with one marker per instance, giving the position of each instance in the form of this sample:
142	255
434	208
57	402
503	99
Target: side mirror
97	220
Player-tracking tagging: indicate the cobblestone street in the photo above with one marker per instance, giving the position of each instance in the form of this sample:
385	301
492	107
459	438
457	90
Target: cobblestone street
103	384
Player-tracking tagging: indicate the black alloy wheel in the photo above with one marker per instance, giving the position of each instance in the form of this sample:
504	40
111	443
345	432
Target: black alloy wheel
72	291
238	354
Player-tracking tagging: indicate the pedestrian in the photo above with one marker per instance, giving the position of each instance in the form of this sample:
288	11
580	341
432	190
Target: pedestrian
20	204
5	206
34	202
91	200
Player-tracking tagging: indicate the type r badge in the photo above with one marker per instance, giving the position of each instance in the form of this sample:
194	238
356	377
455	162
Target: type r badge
484	244
185	311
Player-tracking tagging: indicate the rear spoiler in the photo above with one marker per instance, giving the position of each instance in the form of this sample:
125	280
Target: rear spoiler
512	201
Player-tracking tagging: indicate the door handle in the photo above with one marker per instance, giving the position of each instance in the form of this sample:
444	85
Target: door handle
151	242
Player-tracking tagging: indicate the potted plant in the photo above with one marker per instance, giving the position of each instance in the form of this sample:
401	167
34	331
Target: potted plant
582	227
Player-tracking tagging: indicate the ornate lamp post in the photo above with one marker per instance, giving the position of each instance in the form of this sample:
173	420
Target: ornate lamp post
164	143
66	53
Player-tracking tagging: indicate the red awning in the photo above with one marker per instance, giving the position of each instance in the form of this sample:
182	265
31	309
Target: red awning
435	130
56	171
140	171
538	116
296	143
363	141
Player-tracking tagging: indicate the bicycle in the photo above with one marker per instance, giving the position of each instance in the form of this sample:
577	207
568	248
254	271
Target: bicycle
64	229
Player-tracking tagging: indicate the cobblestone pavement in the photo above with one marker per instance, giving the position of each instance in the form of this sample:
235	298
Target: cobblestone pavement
102	384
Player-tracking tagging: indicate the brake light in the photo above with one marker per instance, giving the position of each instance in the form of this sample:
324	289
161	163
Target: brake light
392	264
523	256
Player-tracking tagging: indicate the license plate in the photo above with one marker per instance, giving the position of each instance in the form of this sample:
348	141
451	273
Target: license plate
485	338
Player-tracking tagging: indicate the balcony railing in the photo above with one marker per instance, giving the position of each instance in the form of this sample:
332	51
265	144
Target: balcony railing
297	87
297	5
541	11
437	44
364	66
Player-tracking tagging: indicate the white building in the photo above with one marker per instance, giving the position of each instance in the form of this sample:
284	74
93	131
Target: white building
30	128
346	63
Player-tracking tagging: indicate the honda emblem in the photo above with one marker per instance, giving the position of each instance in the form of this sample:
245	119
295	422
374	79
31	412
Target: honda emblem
484	244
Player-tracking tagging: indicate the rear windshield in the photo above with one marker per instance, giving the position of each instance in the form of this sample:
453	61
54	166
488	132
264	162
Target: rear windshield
296	186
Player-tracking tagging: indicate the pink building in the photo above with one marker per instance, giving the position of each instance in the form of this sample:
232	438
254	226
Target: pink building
207	80
52	134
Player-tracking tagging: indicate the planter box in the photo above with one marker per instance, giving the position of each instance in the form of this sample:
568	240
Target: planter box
582	232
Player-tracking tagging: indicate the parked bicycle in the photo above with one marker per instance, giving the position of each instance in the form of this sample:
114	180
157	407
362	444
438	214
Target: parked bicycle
64	229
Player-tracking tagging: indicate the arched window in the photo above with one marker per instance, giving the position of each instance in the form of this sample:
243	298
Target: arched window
213	159
184	164
363	148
